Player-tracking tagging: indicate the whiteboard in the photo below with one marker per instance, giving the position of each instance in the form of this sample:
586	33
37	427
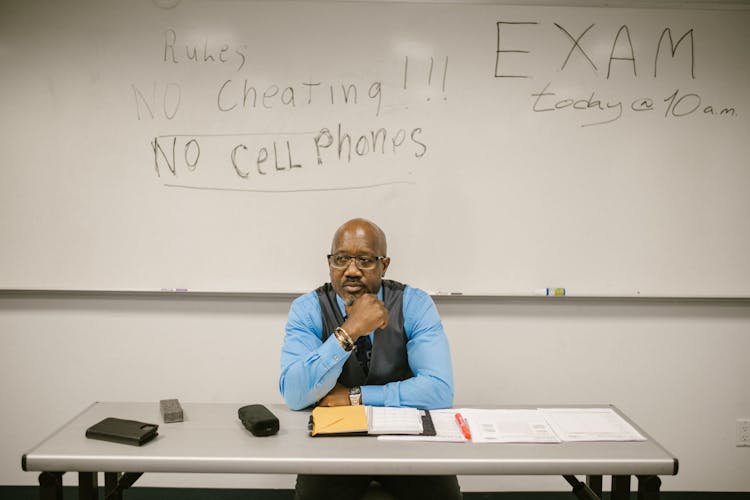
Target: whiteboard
217	145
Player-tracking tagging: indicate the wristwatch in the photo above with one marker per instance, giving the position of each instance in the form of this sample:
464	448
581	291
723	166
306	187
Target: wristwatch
344	339
355	396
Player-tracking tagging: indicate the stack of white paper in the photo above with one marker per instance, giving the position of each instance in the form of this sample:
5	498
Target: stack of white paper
542	425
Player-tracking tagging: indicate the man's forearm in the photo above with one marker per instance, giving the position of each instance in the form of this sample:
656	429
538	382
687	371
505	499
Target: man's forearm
305	380
423	392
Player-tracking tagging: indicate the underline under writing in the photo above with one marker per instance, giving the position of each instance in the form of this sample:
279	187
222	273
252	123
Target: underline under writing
301	190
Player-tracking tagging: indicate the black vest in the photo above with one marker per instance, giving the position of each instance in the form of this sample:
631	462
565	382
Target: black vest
388	361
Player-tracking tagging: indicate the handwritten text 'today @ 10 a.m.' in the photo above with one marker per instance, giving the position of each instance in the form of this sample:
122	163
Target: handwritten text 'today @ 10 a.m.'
623	62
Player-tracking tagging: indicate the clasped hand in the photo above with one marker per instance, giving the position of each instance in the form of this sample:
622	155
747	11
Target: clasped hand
366	314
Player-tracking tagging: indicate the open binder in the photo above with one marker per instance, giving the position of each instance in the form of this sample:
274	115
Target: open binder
372	420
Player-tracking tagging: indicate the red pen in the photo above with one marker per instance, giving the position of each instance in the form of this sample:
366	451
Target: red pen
462	424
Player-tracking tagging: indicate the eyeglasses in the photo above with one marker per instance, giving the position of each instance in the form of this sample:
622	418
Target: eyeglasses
363	262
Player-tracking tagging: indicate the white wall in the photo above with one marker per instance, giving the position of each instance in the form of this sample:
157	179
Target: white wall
679	369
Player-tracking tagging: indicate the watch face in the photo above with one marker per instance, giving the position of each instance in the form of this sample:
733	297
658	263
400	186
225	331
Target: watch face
355	396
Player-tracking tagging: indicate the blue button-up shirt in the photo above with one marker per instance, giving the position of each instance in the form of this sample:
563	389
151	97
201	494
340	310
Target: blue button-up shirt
310	367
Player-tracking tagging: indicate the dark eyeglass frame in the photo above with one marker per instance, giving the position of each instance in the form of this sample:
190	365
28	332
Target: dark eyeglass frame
357	261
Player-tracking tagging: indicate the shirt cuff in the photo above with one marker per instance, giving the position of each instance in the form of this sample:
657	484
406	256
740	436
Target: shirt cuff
332	354
373	395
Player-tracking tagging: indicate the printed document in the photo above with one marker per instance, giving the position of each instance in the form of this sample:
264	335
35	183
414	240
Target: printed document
507	426
590	424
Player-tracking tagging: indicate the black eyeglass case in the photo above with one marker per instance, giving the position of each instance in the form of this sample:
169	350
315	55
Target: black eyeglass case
118	430
259	420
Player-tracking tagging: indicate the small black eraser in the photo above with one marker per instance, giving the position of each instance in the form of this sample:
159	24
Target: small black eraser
171	410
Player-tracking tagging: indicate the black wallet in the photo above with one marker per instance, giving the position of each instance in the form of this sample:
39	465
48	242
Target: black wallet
123	431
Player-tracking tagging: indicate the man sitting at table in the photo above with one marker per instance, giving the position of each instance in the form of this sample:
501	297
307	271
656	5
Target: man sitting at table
361	339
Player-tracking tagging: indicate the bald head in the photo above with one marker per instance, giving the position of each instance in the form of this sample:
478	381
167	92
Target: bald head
362	245
361	229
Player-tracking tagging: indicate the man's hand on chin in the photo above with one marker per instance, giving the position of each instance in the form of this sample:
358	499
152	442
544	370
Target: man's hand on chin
366	313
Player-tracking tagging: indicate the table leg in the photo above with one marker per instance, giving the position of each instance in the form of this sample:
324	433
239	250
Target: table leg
110	486
595	483
88	488
648	487
581	490
115	483
620	488
50	486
